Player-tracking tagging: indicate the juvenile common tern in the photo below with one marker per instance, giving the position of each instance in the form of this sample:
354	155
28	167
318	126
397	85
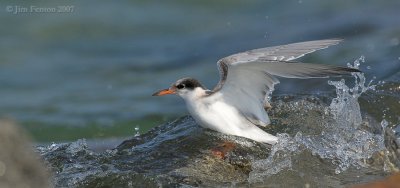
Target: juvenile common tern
236	105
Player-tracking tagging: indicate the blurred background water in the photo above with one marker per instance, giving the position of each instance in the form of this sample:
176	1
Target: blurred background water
90	71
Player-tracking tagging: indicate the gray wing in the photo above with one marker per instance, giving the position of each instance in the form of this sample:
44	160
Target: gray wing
275	54
247	76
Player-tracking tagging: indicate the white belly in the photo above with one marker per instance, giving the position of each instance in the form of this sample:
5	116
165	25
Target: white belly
224	118
217	116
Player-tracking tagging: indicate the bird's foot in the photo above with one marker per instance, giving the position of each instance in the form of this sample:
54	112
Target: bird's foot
221	150
267	106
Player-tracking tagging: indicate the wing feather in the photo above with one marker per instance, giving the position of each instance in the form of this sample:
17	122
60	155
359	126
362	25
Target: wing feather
246	77
287	52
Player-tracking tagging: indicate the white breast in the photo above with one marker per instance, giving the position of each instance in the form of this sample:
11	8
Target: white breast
217	116
214	113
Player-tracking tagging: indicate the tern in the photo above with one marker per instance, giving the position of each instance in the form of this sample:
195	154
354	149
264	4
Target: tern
236	104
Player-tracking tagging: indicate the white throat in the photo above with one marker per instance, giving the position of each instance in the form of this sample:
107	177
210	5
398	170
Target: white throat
193	95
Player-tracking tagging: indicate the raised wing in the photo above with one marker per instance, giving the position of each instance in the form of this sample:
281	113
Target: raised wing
247	76
286	52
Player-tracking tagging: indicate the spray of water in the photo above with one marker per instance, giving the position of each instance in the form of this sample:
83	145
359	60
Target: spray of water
137	131
342	141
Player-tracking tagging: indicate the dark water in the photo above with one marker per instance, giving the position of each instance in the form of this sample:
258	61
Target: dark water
90	71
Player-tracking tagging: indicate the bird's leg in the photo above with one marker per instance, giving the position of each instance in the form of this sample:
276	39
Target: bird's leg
267	105
221	150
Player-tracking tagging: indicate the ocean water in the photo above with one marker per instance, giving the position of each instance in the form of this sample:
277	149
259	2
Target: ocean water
89	71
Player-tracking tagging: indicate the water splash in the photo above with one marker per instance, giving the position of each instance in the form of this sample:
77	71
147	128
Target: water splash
343	141
279	159
137	131
50	148
345	108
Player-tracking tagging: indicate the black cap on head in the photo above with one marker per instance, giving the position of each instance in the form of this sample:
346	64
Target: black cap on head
188	83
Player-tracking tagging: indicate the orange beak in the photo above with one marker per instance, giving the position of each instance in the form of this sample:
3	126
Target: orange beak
163	92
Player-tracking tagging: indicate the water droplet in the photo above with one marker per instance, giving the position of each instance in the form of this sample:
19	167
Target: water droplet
368	67
362	58
137	131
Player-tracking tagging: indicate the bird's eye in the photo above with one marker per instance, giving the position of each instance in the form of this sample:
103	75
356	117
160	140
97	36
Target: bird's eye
180	86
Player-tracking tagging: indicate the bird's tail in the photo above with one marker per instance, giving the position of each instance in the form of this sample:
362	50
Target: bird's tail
257	134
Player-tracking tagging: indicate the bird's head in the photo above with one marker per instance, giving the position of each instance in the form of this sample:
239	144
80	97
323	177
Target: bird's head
185	87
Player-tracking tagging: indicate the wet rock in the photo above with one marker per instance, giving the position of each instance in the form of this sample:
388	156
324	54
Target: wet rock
177	153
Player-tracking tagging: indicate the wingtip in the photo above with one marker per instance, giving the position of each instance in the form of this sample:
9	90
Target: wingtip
338	39
353	70
348	69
